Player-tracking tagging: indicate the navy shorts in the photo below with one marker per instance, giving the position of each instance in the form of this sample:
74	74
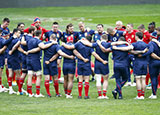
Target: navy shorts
2	61
84	70
49	69
14	63
34	65
24	62
101	69
139	68
69	68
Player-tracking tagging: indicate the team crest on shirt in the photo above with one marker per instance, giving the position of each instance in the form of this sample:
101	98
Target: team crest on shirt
57	35
114	39
144	36
117	34
85	34
132	36
129	40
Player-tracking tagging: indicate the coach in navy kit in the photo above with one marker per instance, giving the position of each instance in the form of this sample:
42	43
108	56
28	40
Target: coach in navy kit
120	68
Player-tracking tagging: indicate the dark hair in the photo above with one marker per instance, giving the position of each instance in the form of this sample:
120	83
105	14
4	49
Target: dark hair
139	35
37	33
31	29
20	24
89	38
99	25
69	25
141	26
56	23
153	23
122	39
104	36
6	20
15	30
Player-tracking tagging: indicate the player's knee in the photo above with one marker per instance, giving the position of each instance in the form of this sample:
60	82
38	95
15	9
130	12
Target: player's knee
30	72
98	80
39	73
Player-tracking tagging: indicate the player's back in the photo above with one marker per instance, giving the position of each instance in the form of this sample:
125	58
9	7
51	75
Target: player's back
68	52
140	46
31	44
103	55
10	46
85	51
52	50
120	57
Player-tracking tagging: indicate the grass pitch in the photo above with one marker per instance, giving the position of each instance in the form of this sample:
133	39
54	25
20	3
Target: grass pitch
107	15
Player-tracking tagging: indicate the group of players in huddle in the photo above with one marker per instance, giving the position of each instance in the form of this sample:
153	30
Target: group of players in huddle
21	52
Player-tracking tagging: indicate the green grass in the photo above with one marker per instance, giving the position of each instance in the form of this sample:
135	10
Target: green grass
136	14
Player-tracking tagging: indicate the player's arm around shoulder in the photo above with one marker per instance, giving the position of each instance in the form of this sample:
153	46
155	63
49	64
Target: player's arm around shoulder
45	46
80	56
60	52
99	58
156	41
68	46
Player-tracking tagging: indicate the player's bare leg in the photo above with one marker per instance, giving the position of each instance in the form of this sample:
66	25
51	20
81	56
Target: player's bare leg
38	84
105	86
138	86
65	84
29	83
11	91
21	81
18	75
70	85
143	79
98	84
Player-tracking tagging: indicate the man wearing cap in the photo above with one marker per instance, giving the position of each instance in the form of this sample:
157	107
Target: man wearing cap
37	24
